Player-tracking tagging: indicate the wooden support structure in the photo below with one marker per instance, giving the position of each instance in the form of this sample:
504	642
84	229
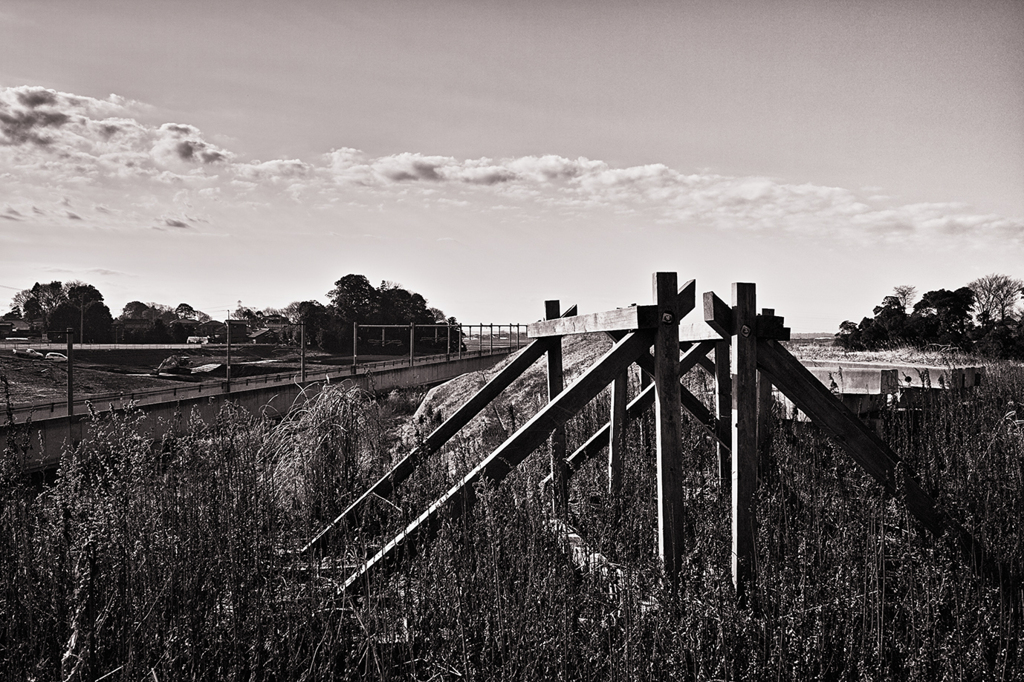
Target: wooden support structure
668	427
559	473
386	485
870	452
744	437
617	439
500	463
748	361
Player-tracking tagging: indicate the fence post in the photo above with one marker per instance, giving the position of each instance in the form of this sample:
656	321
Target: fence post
227	361
302	353
668	422
764	413
723	403
744	437
412	343
448	345
559	469
355	345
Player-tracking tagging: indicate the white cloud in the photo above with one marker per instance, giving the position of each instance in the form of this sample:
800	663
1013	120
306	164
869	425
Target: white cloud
99	150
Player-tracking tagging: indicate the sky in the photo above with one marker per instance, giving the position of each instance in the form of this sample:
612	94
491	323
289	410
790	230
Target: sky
493	155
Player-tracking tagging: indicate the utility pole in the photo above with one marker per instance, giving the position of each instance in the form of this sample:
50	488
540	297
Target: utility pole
228	363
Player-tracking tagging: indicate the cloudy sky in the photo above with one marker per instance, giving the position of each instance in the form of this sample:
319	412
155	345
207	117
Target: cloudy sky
491	155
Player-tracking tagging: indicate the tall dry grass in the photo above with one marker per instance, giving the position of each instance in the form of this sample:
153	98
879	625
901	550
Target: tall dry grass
176	559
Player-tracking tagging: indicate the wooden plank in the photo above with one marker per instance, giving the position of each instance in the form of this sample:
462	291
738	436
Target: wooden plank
556	445
617	438
385	486
668	423
869	451
623	319
723	409
744	438
506	457
717	314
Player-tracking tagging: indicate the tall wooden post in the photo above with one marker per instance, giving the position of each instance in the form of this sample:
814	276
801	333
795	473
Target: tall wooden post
460	340
744	437
764	412
668	424
448	344
559	468
617	439
723	404
71	384
491	339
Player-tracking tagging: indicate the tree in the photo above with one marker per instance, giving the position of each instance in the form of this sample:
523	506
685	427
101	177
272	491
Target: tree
996	295
944	317
135	310
905	294
354	299
40	301
14	314
185	311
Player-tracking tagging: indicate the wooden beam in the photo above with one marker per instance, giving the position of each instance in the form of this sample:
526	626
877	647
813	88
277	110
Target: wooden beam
869	451
386	485
623	319
557	447
723	411
617	439
668	421
744	438
508	456
717	314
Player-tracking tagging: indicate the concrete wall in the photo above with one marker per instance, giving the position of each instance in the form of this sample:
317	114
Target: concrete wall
43	440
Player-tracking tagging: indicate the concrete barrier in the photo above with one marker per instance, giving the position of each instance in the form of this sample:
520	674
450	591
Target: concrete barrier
42	437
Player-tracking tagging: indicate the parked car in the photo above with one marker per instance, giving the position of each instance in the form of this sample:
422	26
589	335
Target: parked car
57	357
27	353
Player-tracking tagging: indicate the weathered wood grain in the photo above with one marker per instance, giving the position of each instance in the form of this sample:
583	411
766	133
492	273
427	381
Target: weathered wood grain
556	444
744	437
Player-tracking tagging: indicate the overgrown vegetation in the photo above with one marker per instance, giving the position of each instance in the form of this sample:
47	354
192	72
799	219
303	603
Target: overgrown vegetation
177	560
982	317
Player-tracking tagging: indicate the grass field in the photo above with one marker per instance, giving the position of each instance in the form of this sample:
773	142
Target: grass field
178	562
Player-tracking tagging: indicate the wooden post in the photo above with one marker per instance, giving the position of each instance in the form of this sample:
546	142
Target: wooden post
723	403
448	345
668	424
617	440
559	470
412	343
744	437
461	340
355	345
71	384
491	340
302	352
764	413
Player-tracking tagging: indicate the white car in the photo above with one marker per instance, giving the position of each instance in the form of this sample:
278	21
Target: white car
28	353
57	357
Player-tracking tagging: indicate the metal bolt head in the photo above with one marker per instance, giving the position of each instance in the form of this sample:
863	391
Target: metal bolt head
745	331
667	318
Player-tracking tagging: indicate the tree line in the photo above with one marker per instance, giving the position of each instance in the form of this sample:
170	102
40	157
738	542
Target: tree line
983	317
57	306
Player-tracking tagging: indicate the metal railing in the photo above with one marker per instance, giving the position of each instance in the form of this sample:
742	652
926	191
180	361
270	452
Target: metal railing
58	409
